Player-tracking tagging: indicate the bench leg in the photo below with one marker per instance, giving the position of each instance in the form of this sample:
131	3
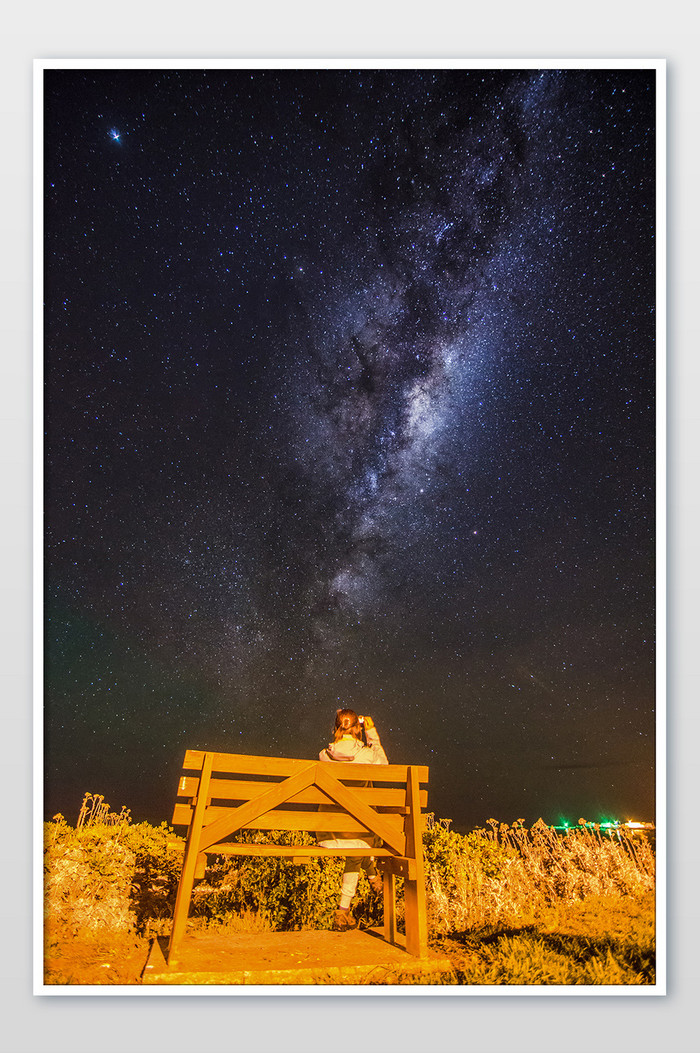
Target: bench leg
182	905
193	863
414	887
389	907
416	918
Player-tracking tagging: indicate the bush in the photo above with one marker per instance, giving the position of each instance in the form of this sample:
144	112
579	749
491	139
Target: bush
281	894
510	873
511	905
157	865
127	876
87	880
109	877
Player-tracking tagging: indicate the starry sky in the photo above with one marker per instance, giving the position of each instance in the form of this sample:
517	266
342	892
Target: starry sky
349	400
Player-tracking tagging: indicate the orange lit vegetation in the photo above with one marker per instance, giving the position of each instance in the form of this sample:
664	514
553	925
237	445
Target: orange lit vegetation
507	904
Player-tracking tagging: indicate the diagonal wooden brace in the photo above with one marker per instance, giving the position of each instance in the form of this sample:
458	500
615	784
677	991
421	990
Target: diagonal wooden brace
344	796
251	810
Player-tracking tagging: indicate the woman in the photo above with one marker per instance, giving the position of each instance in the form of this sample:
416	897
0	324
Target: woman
348	746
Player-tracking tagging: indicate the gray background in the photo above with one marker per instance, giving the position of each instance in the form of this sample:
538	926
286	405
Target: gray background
87	1023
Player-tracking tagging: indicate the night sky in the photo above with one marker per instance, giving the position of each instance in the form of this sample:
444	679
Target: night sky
349	381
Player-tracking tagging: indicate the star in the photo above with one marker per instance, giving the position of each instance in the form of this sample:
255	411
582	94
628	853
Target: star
293	386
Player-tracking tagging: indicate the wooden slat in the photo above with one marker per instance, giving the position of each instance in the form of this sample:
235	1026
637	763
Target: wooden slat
246	789
324	822
234	849
337	819
415	912
189	866
244	764
286	820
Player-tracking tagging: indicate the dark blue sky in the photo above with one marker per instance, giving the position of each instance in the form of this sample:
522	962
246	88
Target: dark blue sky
350	399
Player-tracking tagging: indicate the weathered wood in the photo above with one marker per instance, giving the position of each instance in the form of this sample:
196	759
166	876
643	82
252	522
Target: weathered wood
290	820
242	764
345	797
414	888
235	848
246	813
246	789
189	864
182	816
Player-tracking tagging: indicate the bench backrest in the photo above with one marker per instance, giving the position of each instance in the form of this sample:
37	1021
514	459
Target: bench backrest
228	792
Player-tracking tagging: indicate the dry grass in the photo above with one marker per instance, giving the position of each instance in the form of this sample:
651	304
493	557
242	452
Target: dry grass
534	873
604	940
535	907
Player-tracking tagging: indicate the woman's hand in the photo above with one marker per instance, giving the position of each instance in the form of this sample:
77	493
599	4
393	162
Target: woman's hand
367	721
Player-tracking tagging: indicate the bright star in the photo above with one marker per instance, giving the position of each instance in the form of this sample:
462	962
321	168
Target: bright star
114	134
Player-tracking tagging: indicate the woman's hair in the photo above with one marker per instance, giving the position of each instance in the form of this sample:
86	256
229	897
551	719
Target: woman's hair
346	723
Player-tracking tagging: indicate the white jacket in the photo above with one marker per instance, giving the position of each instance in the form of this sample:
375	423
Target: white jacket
350	749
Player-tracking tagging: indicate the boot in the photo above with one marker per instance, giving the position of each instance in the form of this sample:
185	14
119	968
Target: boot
343	920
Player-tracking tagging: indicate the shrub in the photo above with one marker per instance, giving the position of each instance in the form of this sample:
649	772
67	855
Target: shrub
157	865
87	881
108	877
98	877
281	894
514	873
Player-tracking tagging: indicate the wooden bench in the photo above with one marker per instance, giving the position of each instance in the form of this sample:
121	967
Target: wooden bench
220	794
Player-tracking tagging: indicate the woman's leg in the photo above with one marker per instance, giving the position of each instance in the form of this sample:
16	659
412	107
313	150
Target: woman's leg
351	875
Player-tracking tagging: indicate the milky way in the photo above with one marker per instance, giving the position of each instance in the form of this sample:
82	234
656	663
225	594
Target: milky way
394	370
350	398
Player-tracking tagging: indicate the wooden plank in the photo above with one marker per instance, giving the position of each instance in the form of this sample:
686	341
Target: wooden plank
182	815
193	850
251	810
399	866
414	889
244	764
390	929
375	773
287	820
324	822
233	848
246	789
348	800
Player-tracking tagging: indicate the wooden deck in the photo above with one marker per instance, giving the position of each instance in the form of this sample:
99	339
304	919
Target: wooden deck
360	957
